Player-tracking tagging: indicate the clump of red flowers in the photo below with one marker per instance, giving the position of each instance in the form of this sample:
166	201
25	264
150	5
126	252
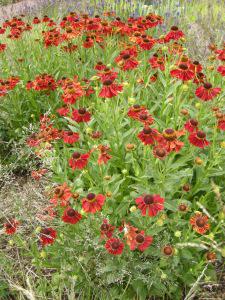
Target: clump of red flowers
43	82
8	85
72	90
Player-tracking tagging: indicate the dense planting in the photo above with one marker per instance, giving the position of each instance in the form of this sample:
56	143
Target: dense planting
131	136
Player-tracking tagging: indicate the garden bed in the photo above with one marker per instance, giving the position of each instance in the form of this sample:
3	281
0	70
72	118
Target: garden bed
120	133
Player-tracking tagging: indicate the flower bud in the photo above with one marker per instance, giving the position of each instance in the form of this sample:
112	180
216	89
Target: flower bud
130	147
186	187
108	194
222	215
222	144
164	48
198	105
177	233
131	100
160	222
133	208
185	87
168	250
75	195
38	229
198	161
11	242
184	112
163	276
43	254
211	256
210	68
89	130
223	252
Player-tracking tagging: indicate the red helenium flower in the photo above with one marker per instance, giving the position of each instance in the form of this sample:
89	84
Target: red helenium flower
221	70
70	137
149	136
11	227
114	246
174	34
81	115
126	60
141	241
110	89
93	203
198	139
160	152
157	62
62	194
183	73
207	92
47	236
71	216
135	111
191	125
106	229
170	141
79	161
200	223
150	204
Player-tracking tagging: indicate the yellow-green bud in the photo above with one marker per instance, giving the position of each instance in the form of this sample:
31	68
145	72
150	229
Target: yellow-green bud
185	87
43	254
177	233
222	144
38	229
133	208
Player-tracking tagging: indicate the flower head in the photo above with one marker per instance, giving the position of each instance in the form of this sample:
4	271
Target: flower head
110	89
183	73
200	223
191	125
78	160
198	139
11	227
150	204
93	203
47	236
141	241
106	229
71	216
81	115
114	246
206	92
